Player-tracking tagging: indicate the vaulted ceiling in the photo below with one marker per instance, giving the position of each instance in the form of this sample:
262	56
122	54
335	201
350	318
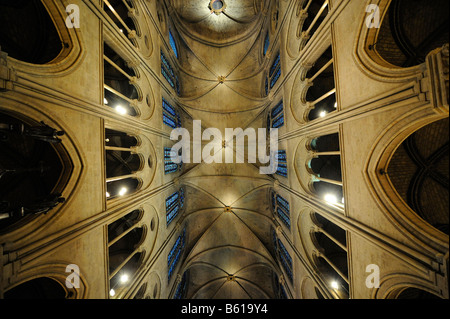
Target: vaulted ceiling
229	223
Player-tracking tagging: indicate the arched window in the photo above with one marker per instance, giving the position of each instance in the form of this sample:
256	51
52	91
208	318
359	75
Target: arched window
123	224
274	72
325	167
175	254
316	12
39	288
30	164
275	118
180	292
122	162
173	44
171	117
415	293
326	144
124	252
35	39
280	289
174	205
331	244
117	139
419	172
118	11
120	89
412	29
169	74
169	166
284	258
281	159
321	94
281	209
266	43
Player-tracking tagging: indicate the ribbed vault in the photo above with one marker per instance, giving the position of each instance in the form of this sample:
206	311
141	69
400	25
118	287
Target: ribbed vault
229	251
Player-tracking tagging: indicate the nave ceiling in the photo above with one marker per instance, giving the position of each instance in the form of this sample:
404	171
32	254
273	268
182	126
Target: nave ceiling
228	220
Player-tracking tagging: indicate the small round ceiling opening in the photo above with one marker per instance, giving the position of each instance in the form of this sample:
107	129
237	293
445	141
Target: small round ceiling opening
217	6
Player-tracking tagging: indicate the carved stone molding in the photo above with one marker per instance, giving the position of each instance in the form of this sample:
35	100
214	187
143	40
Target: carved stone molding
7	74
438	78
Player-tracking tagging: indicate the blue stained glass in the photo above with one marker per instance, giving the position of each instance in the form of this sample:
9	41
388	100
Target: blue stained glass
283	203
182	198
171	200
277	110
274	239
170	116
266	86
167	77
273	202
284	217
286	267
282	171
281	156
282	210
169	166
172	214
169	122
181	289
173	44
166	63
169	74
275	65
285	258
175	253
168	153
285	253
275	78
167	107
266	43
283	294
279	122
174	203
282	164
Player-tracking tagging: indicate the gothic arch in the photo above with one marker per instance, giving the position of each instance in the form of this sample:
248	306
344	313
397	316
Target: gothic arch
72	46
57	275
392	286
370	61
380	185
70	159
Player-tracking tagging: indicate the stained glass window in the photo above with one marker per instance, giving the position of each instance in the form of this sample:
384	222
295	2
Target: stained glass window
286	260
181	288
171	117
281	209
274	74
266	43
282	169
173	44
169	74
276	116
169	165
174	204
175	253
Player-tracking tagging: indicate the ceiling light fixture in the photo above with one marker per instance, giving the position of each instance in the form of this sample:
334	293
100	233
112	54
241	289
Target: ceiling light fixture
217	6
123	191
121	110
334	285
124	278
330	198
